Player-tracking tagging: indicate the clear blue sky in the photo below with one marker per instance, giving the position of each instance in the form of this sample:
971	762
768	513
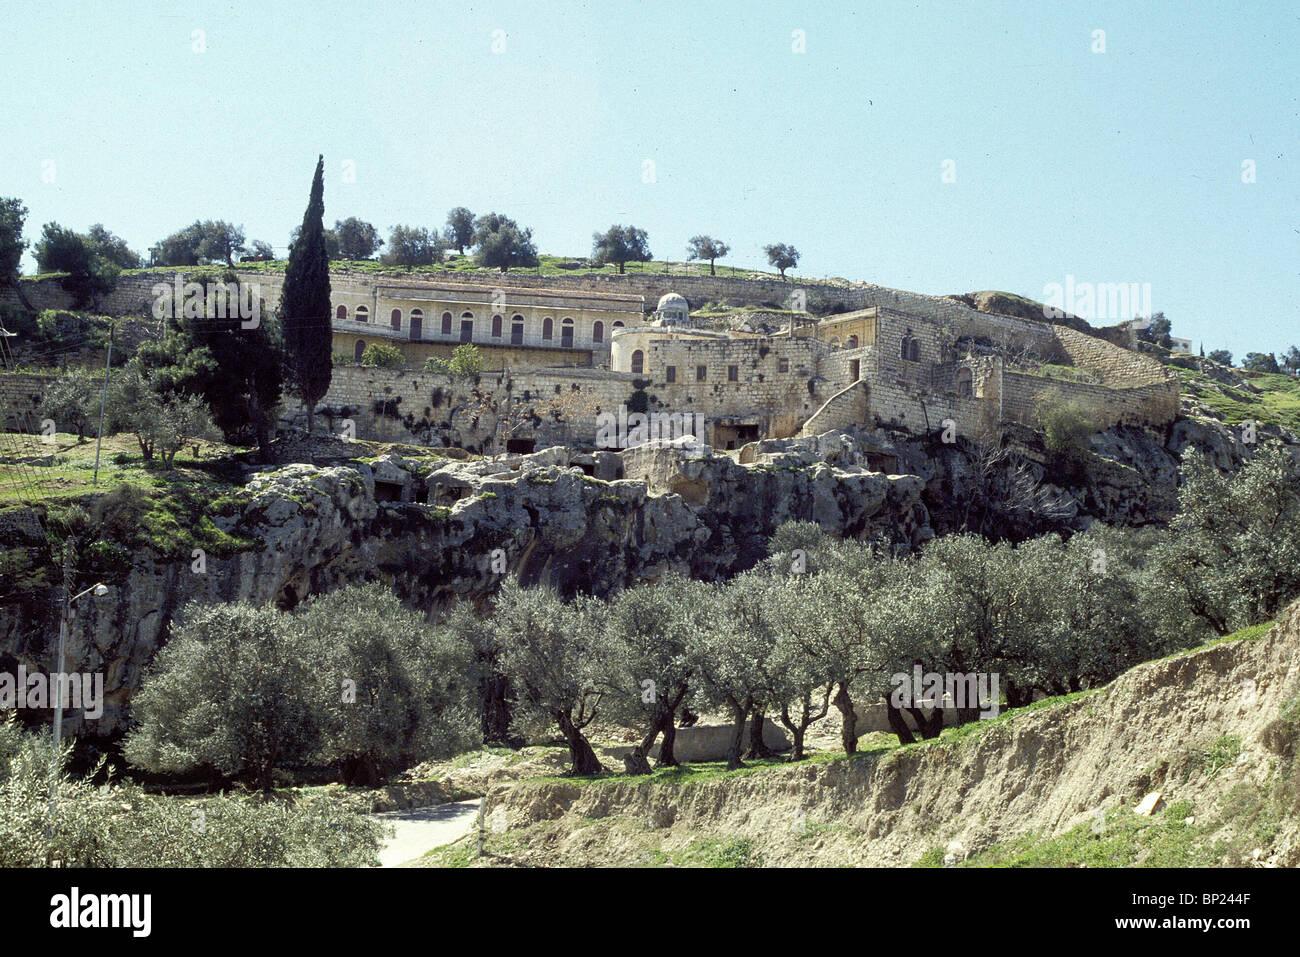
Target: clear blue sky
1123	166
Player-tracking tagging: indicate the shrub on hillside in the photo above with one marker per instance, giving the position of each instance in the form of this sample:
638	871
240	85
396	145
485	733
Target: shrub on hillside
1233	554
465	362
116	825
1066	426
72	402
383	356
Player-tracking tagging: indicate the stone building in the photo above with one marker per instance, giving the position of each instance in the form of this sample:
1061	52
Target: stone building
511	326
561	350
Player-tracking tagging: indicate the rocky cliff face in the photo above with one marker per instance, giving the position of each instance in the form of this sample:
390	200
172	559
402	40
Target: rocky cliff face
433	528
440	529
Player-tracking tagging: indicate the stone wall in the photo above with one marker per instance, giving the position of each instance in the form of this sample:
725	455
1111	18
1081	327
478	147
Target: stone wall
20	399
758	388
847	407
426	408
1024	396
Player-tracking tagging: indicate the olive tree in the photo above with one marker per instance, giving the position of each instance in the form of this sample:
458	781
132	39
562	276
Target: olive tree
982	612
72	401
551	651
400	689
731	654
235	690
1232	557
650	670
800	692
841	633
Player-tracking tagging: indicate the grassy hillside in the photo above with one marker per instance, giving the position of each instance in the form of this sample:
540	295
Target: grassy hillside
548	265
1276	403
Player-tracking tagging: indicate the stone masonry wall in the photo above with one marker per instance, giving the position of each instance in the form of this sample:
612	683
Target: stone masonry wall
20	398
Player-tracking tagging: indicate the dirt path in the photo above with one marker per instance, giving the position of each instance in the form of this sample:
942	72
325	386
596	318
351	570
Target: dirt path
422	829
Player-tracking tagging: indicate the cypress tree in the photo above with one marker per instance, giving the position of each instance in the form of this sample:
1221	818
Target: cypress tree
305	304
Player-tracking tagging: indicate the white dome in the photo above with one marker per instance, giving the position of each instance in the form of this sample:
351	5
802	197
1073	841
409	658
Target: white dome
673	310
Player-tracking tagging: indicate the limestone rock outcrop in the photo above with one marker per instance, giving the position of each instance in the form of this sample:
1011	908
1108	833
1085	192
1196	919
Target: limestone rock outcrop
433	529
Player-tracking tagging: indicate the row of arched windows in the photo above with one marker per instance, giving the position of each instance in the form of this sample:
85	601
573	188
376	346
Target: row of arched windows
567	326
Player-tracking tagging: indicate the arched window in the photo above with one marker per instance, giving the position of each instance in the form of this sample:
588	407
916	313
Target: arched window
566	333
911	348
363	314
341	312
852	343
516	330
397	319
466	326
359	350
417	323
618	324
496	327
597	331
548	327
638	361
446	323
964	383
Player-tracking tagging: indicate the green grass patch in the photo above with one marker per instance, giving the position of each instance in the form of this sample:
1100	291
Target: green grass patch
1277	404
718	852
1119	838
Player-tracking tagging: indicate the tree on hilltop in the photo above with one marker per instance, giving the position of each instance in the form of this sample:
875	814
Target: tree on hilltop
210	241
460	229
89	274
782	256
502	243
706	247
181	248
221	240
1222	356
262	251
1260	362
305	304
357	239
112	248
1291	360
621	245
412	246
1157	330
